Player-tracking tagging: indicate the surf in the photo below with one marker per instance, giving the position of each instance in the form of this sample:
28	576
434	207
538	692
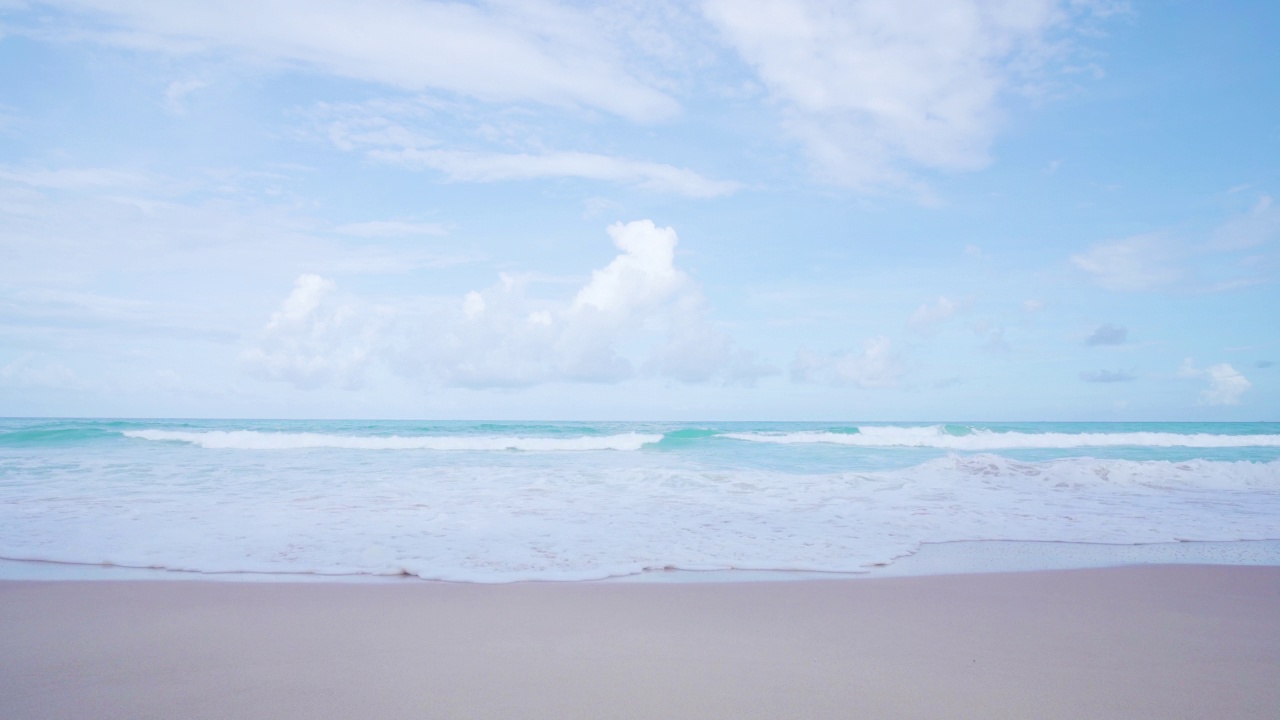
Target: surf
258	440
944	437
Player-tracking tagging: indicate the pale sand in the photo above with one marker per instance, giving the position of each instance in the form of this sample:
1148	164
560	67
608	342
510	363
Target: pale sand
1145	642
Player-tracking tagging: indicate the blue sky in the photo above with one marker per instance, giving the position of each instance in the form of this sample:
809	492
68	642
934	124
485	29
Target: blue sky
1033	210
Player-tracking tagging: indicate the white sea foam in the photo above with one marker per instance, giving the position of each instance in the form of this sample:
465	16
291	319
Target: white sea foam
936	436
255	440
590	515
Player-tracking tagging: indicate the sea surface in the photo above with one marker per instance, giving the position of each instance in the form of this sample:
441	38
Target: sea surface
499	502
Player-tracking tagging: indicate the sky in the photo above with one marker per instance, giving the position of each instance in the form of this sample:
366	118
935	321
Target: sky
733	209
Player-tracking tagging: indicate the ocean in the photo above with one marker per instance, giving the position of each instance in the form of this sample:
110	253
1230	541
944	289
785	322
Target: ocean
500	502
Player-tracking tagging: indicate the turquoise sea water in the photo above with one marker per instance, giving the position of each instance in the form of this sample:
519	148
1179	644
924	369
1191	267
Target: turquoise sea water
495	502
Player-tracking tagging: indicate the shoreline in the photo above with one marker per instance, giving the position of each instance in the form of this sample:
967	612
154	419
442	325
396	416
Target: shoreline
959	557
1159	641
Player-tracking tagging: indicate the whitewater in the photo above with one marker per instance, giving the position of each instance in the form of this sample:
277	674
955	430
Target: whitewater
500	502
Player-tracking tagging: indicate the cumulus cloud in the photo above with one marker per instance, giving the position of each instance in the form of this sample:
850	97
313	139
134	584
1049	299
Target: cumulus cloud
492	51
639	314
1107	376
505	338
876	89
311	340
1226	384
877	366
644	274
1138	263
1107	334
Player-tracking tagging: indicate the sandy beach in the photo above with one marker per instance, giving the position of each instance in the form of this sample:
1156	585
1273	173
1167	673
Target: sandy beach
1138	642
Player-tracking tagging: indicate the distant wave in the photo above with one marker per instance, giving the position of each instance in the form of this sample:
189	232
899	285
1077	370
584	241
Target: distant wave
938	436
255	440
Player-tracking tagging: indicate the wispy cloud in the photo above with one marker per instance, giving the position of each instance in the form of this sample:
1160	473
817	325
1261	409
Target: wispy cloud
391	229
397	133
492	51
877	91
74	178
465	166
175	95
1138	263
1257	227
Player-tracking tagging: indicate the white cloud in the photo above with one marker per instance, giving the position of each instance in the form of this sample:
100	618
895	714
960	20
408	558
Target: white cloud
1188	369
1032	307
311	340
466	166
473	305
639	314
927	316
877	366
426	135
177	92
535	51
1257	227
1137	263
1107	334
643	274
173	225
877	89
1226	384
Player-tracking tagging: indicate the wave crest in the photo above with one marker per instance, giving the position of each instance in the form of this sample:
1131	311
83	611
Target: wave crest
256	440
939	436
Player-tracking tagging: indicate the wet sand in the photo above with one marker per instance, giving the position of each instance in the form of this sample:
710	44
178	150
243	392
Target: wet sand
1139	642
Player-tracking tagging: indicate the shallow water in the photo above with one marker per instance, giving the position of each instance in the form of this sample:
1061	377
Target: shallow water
495	502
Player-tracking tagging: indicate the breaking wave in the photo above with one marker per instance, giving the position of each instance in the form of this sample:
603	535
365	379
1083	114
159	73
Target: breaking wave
949	438
256	440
